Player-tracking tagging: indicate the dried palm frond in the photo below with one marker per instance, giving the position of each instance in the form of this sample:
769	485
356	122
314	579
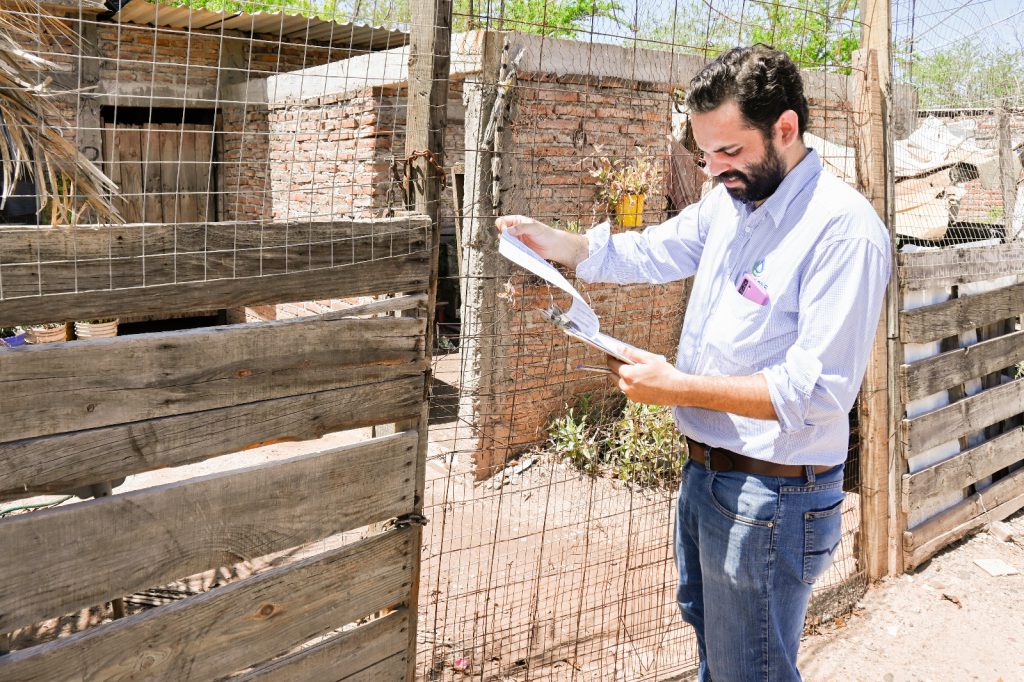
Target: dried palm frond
68	185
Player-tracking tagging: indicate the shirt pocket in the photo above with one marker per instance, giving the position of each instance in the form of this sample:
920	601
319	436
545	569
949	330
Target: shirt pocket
739	335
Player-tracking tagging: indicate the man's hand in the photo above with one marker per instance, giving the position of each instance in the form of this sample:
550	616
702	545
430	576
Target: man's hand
651	380
654	381
557	245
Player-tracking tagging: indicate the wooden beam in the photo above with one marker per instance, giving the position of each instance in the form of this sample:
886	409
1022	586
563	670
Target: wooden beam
426	123
946	267
949	318
407	273
965	416
1008	168
240	624
58	561
58	388
952	368
375	651
56	464
995	503
61	260
959	472
878	403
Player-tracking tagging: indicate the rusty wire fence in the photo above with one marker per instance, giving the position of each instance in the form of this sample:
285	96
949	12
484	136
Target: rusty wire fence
548	554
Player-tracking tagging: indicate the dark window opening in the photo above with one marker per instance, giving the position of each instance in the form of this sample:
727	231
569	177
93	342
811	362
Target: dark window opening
143	115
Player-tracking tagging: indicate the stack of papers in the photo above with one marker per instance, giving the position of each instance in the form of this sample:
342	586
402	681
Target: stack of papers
580	321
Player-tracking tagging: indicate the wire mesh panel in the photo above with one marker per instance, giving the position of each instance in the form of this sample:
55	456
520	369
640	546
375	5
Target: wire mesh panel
551	500
181	180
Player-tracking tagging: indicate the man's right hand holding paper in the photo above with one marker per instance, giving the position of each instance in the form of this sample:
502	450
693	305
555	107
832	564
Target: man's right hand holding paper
555	245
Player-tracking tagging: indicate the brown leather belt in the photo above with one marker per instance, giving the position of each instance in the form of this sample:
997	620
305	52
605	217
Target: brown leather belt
724	460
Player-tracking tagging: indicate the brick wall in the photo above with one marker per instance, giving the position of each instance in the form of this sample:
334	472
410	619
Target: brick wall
168	56
980	203
831	120
244	156
142	54
560	127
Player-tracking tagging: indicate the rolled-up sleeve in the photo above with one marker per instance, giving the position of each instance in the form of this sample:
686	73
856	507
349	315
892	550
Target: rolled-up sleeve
661	253
841	297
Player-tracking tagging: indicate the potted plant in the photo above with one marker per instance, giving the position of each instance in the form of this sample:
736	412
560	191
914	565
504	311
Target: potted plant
51	332
96	329
623	185
11	336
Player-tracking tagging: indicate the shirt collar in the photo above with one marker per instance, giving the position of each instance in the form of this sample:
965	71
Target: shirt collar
795	181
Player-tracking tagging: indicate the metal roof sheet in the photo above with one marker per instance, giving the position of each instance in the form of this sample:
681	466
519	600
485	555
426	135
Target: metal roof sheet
356	37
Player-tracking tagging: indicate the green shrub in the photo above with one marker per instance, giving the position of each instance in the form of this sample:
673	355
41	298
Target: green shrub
633	442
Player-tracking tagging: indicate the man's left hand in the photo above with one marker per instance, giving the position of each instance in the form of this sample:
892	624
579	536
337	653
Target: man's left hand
651	380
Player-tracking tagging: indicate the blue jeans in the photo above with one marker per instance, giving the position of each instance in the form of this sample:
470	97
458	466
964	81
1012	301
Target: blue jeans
749	548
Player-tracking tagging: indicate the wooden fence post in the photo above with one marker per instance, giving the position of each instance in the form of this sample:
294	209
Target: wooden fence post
1007	172
880	459
426	120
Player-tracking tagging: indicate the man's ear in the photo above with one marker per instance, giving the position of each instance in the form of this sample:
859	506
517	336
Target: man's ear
787	128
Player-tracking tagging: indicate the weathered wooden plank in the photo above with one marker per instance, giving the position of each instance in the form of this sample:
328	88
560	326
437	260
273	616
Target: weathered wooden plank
946	267
958	472
995	503
58	388
129	151
955	367
204	171
234	626
188	178
408	273
55	464
348	656
152	208
57	561
963	417
60	260
949	318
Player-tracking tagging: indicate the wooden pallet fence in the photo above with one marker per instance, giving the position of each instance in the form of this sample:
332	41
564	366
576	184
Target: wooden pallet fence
85	413
58	273
991	414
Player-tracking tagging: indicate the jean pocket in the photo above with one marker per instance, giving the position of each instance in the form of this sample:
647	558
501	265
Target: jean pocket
823	530
744	499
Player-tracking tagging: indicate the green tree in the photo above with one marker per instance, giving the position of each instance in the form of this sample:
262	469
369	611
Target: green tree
555	18
965	75
815	33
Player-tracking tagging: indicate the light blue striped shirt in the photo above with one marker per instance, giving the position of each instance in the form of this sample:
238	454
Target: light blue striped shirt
819	250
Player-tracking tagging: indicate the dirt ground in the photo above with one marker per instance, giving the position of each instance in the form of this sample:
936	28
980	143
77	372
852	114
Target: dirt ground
950	620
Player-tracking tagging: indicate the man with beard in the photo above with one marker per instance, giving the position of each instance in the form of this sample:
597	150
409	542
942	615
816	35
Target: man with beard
790	267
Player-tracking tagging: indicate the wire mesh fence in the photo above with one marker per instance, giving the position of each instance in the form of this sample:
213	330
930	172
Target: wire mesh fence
249	140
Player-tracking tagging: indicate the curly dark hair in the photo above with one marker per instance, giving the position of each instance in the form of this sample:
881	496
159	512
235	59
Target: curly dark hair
764	82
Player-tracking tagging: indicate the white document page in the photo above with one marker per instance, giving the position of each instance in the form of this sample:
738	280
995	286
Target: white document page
580	322
519	253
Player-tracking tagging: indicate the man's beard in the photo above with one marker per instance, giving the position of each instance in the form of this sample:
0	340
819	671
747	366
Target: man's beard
761	180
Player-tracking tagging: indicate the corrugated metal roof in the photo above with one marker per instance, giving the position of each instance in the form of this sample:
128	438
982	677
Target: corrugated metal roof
293	28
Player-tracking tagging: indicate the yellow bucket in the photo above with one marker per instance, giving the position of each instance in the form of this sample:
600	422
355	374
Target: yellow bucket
630	210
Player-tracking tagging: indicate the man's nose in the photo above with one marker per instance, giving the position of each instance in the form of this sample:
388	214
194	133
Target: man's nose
716	165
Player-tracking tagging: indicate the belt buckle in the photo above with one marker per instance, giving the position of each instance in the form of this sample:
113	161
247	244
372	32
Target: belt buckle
710	454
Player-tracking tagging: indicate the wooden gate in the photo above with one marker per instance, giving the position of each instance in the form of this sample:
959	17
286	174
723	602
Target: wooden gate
962	388
85	413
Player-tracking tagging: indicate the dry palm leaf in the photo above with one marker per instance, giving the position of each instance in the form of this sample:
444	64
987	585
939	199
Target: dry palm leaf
68	185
